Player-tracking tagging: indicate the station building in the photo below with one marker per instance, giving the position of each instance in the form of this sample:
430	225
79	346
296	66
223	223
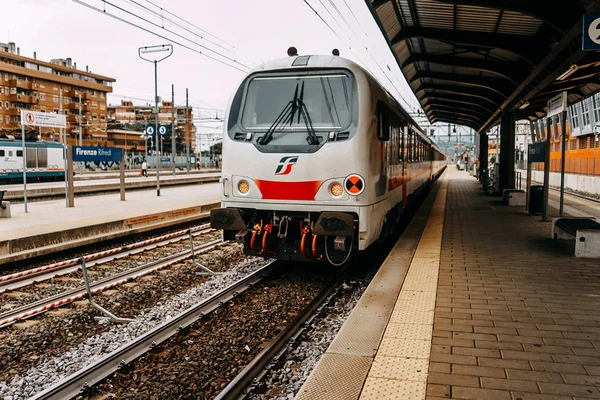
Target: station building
32	84
127	123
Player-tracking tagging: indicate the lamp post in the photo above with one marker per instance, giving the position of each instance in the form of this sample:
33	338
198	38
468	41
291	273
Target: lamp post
163	48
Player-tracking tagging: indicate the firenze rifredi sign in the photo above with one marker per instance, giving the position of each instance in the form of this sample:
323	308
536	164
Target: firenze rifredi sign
95	154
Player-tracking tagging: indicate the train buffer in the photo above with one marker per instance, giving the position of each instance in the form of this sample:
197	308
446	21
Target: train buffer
585	231
4	206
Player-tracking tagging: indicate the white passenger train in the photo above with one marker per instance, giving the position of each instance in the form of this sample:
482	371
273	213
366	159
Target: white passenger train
319	161
45	161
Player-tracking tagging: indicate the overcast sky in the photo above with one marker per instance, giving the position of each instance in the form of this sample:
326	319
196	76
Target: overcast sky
249	31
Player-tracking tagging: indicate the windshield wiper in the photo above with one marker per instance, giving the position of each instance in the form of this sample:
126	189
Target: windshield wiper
312	136
286	114
296	105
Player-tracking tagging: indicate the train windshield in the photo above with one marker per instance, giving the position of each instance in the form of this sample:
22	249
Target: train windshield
328	99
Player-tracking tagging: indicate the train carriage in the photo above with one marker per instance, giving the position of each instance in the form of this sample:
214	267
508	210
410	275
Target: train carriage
318	160
44	160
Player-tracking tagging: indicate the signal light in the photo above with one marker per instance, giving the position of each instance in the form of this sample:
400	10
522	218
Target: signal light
336	189
243	187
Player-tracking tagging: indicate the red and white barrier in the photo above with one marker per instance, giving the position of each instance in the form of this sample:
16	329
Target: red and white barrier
90	257
83	294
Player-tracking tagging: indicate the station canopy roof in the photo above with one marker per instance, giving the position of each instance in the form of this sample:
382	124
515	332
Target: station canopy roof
468	61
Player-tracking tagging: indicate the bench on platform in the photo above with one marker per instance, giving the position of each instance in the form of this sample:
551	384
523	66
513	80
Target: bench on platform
514	197
4	206
586	232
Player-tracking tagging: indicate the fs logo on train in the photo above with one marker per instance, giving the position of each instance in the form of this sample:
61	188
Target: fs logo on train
354	184
285	165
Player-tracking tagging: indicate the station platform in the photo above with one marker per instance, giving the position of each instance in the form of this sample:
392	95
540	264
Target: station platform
92	175
475	301
50	226
45	190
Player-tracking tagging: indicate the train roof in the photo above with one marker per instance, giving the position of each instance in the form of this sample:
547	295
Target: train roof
18	143
312	61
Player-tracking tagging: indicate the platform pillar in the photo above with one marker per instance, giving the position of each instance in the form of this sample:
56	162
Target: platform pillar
507	152
483	156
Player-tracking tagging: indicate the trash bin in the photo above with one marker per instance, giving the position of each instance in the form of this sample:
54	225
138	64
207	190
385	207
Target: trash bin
536	199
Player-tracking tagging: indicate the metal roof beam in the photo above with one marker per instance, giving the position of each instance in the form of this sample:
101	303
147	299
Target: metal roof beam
494	84
470	91
453	118
503	69
455	113
458	109
558	18
530	49
463	98
434	98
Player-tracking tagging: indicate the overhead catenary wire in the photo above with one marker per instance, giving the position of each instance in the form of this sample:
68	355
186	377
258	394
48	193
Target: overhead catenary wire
398	92
156	34
172	32
175	23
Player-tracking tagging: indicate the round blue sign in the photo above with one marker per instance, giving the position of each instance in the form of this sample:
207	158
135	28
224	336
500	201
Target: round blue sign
149	131
163	130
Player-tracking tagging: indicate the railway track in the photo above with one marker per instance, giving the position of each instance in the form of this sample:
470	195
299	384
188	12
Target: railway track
27	311
96	372
35	275
258	367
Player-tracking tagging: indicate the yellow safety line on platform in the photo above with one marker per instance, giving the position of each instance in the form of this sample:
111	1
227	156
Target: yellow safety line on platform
401	365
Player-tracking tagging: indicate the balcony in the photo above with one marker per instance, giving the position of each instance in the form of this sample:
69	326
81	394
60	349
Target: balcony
73	119
13	112
20	84
75	106
23	98
75	94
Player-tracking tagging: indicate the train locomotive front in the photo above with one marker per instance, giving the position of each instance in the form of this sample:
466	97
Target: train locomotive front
304	175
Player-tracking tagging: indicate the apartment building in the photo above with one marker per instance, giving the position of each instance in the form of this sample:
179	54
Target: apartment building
32	84
128	121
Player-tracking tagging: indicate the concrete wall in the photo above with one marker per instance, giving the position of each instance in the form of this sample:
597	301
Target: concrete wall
578	183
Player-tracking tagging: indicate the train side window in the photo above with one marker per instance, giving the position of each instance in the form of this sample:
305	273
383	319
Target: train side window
383	123
19	153
1	153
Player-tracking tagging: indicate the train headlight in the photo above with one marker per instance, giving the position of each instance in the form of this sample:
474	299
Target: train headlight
336	189
243	187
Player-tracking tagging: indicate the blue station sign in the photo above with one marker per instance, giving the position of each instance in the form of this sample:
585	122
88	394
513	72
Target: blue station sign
96	154
537	152
591	32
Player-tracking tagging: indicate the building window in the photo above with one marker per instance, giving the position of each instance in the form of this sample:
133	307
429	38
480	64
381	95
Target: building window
43	109
55	98
19	153
585	115
54	87
6	105
55	111
42	96
66	100
574	116
7	119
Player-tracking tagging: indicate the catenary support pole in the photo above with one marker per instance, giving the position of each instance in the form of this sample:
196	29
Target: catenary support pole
563	142
187	139
156	143
70	176
64	149
122	176
173	128
546	172
24	162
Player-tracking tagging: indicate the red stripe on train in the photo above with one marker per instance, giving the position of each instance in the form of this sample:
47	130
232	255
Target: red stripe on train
274	190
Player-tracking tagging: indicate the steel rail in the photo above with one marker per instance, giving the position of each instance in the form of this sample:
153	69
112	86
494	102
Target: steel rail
61	299
257	367
96	372
49	271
